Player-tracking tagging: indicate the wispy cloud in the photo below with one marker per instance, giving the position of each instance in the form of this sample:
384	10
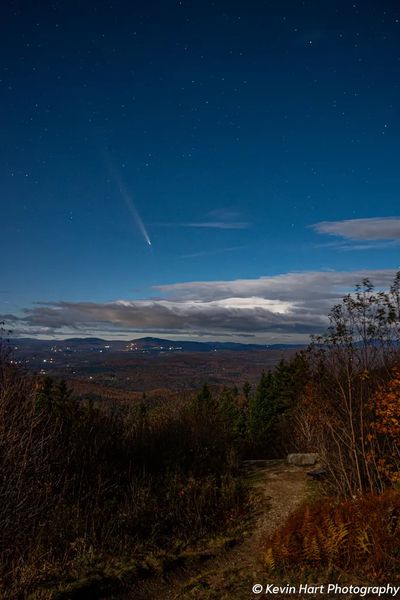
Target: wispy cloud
216	219
212	252
347	246
289	307
372	229
208	224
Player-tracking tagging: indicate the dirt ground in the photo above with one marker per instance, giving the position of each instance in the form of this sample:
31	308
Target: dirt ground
277	488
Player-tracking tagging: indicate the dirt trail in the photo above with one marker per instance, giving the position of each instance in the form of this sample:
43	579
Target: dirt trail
277	488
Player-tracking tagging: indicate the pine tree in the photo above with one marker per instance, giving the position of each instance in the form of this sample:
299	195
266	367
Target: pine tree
290	378
204	400
247	390
263	411
232	415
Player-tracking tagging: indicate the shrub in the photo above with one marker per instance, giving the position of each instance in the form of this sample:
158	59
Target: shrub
348	365
334	536
104	481
384	434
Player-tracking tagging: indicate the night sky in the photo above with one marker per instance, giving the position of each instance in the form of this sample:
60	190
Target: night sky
223	170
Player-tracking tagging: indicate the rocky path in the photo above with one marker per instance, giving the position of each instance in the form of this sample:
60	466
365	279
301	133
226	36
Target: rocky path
276	489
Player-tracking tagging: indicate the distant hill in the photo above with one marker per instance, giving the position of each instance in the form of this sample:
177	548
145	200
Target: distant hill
88	340
144	344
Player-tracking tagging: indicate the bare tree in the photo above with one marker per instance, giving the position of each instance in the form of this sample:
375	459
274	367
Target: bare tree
348	364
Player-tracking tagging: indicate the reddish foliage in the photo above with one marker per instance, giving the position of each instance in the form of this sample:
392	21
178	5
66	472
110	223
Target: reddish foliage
359	535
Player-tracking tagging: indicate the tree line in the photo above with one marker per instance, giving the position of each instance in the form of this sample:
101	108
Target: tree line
80	481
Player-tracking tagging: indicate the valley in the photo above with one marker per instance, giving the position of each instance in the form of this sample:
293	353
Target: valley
100	369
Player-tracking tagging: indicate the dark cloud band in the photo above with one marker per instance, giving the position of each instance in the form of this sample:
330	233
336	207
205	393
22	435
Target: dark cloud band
287	305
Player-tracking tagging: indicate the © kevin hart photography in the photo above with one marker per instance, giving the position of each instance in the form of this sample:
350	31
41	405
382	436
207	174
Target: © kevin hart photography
199	299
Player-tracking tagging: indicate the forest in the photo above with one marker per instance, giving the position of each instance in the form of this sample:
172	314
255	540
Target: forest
99	495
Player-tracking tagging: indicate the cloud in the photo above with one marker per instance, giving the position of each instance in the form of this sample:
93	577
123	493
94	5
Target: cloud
212	252
373	229
219	225
286	307
304	287
216	219
208	224
347	246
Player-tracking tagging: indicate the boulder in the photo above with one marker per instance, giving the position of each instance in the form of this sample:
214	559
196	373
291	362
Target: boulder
302	460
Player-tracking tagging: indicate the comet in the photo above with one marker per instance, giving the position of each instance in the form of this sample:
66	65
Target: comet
133	210
127	197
